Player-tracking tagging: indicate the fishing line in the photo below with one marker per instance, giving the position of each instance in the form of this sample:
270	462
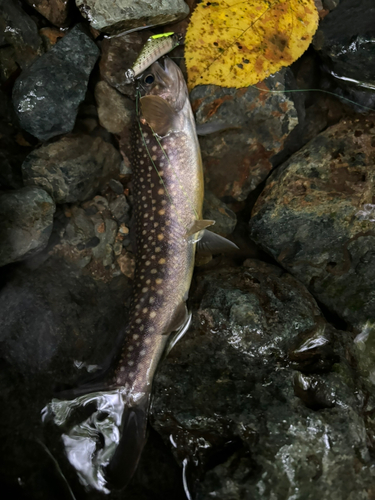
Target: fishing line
155	167
176	174
314	90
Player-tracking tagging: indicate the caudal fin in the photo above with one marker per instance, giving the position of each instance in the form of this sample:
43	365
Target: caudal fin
126	457
105	447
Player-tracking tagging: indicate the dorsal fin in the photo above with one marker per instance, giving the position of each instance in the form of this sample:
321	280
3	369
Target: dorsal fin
159	115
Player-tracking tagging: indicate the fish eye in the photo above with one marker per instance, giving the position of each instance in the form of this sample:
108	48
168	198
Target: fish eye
149	79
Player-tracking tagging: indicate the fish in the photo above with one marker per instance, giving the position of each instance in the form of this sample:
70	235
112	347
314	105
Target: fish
155	47
168	195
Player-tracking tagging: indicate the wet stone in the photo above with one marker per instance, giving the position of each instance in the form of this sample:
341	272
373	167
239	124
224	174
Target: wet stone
315	217
20	43
72	168
241	419
26	223
120	209
56	11
115	111
121	15
261	123
214	209
46	96
13	147
346	38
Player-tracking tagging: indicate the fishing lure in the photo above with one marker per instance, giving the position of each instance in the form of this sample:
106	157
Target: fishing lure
155	47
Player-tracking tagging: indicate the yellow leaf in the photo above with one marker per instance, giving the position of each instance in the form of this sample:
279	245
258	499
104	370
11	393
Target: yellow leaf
236	44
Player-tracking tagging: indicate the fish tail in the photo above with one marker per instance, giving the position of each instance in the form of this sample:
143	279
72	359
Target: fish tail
105	443
125	460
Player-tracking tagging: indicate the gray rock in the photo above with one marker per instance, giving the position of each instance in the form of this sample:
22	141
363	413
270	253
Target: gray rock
315	217
20	43
214	209
116	16
46	96
26	223
120	209
115	111
346	38
236	160
246	403
72	168
330	4
12	153
56	11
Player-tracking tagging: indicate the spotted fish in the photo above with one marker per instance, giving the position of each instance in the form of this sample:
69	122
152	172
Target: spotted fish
167	206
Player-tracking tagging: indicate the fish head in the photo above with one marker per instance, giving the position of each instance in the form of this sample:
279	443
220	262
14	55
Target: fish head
165	79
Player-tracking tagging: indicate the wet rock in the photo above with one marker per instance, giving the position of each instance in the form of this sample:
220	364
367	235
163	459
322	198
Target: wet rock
49	310
46	96
345	40
118	55
20	43
240	419
114	17
315	218
236	160
127	264
26	223
120	209
214	209
13	147
51	36
92	235
115	111
72	168
56	11
330	4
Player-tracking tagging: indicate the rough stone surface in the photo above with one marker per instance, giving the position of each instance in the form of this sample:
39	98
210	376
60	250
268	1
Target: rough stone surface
346	40
115	111
26	223
46	96
20	43
259	401
315	217
114	17
13	147
214	209
237	160
93	236
56	11
72	168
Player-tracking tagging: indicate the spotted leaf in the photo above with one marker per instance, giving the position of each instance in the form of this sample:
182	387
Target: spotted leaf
236	44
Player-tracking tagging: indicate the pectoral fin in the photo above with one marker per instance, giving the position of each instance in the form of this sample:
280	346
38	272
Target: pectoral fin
212	243
158	114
